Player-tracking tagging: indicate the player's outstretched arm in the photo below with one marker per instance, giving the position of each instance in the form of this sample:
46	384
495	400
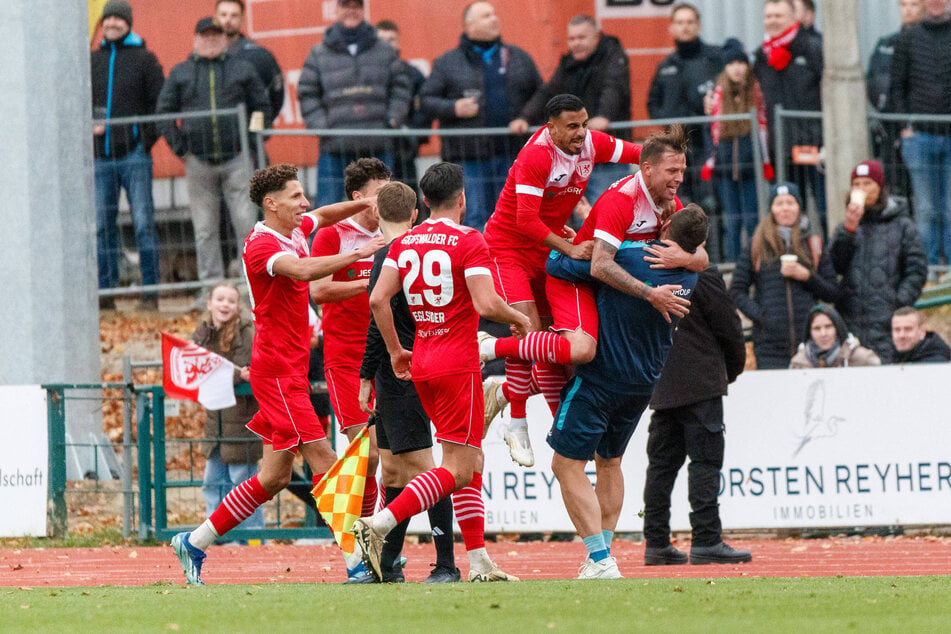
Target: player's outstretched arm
334	213
488	304
605	269
386	287
307	269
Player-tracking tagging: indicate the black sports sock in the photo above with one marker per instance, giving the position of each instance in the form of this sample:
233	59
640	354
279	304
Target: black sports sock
440	518
393	545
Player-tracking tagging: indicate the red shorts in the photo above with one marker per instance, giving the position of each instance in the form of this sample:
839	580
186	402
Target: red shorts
343	387
286	417
456	406
519	278
572	306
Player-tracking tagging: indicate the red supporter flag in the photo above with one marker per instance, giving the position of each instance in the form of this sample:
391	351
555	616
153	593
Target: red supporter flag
190	372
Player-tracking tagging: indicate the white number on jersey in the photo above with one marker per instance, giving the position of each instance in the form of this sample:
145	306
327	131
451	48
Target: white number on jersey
441	280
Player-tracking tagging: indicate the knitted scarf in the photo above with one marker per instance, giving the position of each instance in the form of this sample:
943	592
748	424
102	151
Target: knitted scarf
777	49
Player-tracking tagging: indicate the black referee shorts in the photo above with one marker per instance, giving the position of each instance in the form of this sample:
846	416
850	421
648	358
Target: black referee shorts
402	424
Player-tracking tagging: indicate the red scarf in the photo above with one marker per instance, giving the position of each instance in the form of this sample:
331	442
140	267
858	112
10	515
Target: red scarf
776	49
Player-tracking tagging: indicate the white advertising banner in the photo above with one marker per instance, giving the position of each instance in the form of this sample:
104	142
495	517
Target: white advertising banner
804	448
24	462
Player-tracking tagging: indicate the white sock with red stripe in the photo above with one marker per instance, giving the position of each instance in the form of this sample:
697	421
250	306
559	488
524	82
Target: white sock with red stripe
420	494
236	507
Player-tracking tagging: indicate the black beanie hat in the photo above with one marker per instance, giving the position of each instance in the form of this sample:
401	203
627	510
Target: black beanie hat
732	51
118	9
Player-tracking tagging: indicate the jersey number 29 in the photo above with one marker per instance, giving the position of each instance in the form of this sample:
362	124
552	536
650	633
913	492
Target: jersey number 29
436	267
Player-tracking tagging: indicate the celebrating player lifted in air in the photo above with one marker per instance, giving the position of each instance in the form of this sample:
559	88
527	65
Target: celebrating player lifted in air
444	271
542	189
278	272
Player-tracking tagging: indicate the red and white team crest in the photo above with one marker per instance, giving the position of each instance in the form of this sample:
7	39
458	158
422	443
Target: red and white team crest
193	373
584	168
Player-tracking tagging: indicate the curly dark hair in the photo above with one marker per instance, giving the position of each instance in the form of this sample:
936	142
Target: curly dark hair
361	171
271	179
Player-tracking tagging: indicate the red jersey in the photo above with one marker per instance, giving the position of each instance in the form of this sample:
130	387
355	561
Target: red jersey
433	261
625	211
281	332
544	185
345	323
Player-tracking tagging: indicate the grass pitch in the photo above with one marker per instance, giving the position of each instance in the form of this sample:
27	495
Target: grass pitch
821	604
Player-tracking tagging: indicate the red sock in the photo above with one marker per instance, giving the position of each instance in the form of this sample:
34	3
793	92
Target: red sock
315	480
422	493
370	492
551	378
547	347
470	513
518	376
238	505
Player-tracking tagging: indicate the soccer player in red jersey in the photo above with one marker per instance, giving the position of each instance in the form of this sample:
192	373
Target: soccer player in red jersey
542	189
346	308
278	270
445	273
634	208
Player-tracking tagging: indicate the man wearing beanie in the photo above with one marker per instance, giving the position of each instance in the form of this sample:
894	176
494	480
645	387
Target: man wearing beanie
921	84
352	80
680	84
879	256
126	80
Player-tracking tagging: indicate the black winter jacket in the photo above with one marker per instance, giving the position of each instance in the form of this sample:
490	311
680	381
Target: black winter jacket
136	78
879	76
796	87
367	90
708	350
883	267
682	80
931	349
602	82
267	67
768	308
459	70
921	72
188	88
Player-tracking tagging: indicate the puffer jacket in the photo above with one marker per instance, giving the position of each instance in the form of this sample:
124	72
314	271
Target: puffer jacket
853	354
368	90
230	422
134	76
189	88
883	267
767	307
459	70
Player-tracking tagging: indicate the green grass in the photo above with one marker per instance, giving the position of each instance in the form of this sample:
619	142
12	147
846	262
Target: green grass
830	604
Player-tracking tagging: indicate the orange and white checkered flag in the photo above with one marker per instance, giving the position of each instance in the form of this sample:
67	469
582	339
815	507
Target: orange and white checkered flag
339	494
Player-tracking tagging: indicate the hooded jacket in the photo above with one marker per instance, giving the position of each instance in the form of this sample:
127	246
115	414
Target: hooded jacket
850	352
461	69
368	89
126	81
200	83
602	82
882	267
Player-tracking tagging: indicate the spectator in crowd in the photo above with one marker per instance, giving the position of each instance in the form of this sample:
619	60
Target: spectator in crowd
886	135
788	272
707	354
680	84
878	254
911	343
483	82
732	163
596	70
805	13
126	80
789	68
232	450
212	79
352	79
921	84
407	148
829	344
230	15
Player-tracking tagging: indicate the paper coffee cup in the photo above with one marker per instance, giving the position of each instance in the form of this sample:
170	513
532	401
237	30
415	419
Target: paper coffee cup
788	257
857	197
257	121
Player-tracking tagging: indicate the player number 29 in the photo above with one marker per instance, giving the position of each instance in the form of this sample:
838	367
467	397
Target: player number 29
437	274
